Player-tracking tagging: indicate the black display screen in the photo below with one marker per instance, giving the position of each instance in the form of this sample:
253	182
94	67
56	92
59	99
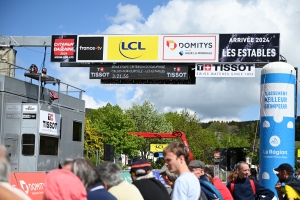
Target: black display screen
125	71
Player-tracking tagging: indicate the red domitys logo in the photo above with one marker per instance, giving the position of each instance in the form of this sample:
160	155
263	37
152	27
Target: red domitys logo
171	44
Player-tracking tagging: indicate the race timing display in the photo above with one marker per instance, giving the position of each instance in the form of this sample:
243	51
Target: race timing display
131	71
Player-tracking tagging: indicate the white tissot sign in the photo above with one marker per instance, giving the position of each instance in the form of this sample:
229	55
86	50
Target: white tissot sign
224	70
29	108
49	123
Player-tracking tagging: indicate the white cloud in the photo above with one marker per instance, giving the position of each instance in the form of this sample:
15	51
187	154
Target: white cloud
90	102
127	13
210	98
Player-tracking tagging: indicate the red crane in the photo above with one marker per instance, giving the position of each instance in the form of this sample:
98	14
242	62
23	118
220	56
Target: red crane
175	134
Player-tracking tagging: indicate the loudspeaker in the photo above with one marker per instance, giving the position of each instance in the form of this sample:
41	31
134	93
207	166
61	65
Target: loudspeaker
109	152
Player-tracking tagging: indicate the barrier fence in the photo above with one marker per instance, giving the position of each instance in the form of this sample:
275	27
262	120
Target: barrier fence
31	183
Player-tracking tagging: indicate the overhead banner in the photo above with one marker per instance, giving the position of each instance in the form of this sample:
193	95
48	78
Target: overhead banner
224	70
63	48
90	48
132	48
157	71
49	123
254	48
201	48
184	48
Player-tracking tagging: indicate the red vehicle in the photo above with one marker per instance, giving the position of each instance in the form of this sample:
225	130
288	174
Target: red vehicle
175	134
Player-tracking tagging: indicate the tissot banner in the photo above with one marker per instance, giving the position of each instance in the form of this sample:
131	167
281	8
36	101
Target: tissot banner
224	70
63	48
49	123
259	48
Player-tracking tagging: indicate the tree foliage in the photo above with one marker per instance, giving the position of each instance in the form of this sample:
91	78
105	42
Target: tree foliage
111	125
92	140
147	119
201	142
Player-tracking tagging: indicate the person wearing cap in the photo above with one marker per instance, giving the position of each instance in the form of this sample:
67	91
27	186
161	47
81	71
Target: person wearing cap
168	177
211	192
242	188
287	185
143	178
197	167
187	186
110	175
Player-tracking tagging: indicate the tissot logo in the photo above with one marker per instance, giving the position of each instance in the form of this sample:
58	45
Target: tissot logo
90	48
224	70
30	108
224	67
204	67
177	73
50	117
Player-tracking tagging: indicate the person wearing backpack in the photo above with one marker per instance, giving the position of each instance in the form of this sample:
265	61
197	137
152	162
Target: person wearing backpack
244	188
218	184
288	186
208	190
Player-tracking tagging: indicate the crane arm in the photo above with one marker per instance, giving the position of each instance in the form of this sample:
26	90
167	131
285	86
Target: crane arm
175	134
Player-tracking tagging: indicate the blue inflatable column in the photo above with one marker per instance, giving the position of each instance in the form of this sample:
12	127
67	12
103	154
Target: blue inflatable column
277	120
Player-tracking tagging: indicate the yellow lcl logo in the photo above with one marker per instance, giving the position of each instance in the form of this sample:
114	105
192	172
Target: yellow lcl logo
132	48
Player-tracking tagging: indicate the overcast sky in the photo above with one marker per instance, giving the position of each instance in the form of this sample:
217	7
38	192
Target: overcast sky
210	98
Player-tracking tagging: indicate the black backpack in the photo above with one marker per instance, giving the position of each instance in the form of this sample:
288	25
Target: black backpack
294	183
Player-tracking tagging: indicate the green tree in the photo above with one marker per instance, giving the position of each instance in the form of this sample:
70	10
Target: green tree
148	119
112	126
201	142
92	142
229	140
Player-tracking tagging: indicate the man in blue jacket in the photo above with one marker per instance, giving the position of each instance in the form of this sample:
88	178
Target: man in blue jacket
243	189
